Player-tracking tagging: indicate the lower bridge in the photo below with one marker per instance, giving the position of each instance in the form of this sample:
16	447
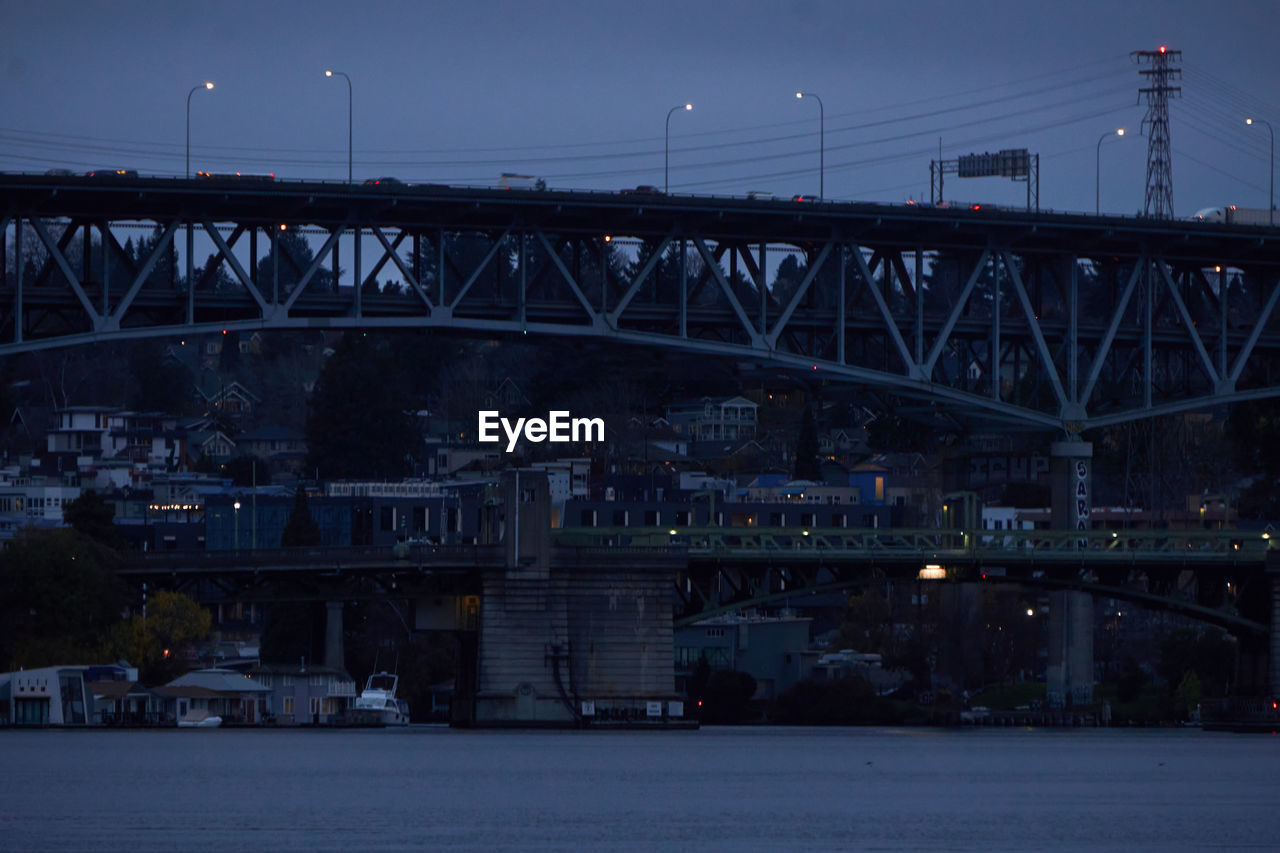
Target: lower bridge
560	627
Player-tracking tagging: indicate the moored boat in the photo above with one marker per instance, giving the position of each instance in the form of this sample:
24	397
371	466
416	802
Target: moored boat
378	704
199	719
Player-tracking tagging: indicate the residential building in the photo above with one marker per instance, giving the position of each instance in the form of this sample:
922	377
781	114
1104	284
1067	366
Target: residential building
279	447
773	650
213	692
48	696
722	419
302	694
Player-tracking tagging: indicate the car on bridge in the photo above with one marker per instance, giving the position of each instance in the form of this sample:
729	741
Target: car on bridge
239	177
643	189
112	173
384	182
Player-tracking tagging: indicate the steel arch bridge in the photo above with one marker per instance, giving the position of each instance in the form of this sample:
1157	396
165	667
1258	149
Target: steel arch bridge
1040	320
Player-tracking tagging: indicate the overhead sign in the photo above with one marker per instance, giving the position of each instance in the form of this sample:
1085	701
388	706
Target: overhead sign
1009	163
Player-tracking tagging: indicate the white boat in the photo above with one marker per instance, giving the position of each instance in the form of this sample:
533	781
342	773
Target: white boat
199	719
377	703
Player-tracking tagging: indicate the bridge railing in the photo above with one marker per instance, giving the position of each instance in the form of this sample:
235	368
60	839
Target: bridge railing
306	557
980	542
925	545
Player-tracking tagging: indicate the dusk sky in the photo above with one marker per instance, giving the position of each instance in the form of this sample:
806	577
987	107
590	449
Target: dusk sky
578	92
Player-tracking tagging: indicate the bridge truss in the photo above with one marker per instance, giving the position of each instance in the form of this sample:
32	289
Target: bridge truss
1047	321
1219	577
1198	573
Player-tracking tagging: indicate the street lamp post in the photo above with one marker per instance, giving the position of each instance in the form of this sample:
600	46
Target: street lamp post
236	545
343	75
821	141
666	149
1097	170
1271	194
208	84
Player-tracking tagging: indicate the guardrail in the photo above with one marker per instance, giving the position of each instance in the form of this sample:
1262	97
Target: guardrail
924	545
1186	544
221	182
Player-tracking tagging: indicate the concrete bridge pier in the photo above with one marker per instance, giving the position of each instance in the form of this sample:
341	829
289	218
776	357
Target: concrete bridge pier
569	638
1070	669
1273	644
1070	666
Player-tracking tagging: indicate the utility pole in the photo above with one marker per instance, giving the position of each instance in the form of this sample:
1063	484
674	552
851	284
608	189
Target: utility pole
1159	199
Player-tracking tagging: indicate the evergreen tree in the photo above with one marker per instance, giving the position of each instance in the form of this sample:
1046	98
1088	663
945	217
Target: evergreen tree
357	425
92	517
301	529
60	598
806	465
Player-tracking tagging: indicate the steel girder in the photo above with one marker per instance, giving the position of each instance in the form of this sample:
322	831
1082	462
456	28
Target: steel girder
1045	321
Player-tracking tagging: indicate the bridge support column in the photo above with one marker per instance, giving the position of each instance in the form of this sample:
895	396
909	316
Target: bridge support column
334	652
1070	472
1273	646
1070	668
570	638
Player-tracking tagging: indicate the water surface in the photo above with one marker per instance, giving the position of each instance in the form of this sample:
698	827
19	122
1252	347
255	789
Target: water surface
429	788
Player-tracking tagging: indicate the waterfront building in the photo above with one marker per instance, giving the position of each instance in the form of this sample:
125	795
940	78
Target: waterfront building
213	692
774	650
304	694
48	696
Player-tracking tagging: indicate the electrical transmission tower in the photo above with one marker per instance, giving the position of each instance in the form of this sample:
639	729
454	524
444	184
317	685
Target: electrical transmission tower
1159	202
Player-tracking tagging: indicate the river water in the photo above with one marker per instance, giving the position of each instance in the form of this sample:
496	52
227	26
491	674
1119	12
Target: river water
429	788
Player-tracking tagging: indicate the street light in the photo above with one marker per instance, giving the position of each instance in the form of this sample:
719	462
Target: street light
1271	195
666	149
343	75
236	507
208	84
821	139
1097	170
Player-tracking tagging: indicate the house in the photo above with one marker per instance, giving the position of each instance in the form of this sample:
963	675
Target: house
567	479
28	426
48	696
298	694
227	399
39	499
146	437
123	701
213	692
728	419
81	430
773	650
214	445
280	447
445	459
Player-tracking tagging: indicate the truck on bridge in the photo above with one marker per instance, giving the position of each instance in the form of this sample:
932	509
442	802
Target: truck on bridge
1233	215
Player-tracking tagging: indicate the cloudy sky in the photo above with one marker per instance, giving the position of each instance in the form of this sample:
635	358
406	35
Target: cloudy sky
578	92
